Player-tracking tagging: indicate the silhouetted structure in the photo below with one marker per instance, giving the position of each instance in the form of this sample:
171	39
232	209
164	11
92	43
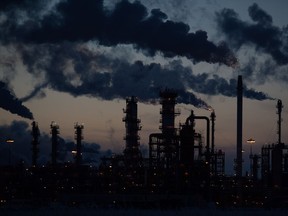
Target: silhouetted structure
54	132
191	147
217	159
274	157
180	170
279	112
164	147
78	137
35	143
132	153
213	118
239	160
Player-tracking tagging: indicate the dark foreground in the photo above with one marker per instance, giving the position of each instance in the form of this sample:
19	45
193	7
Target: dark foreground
55	210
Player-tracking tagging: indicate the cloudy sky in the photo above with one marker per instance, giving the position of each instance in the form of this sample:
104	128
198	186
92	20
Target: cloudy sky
76	61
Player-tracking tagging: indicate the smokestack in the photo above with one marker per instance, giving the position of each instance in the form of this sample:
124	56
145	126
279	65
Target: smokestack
78	137
213	116
239	126
35	143
279	111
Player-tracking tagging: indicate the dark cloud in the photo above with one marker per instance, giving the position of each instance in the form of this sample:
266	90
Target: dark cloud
98	76
94	75
4	4
36	93
53	45
128	23
20	148
262	34
216	85
259	15
9	102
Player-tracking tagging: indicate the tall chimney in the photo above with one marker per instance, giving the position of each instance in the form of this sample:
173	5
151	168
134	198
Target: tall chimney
213	117
239	126
35	143
279	108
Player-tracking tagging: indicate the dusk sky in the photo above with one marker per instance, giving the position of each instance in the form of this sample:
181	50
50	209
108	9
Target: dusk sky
76	61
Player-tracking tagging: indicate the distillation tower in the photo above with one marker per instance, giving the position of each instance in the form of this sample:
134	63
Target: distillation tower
35	143
78	137
274	159
164	147
132	154
54	132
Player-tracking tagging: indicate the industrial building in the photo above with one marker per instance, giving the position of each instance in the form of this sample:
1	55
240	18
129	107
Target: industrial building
184	167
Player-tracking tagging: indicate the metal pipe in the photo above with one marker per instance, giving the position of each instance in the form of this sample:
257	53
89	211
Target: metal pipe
191	117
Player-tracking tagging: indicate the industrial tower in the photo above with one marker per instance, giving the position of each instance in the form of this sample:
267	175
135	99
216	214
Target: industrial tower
54	132
132	154
35	143
168	114
78	137
274	158
164	147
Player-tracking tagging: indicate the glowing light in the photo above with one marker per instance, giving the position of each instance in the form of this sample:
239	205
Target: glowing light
251	141
9	141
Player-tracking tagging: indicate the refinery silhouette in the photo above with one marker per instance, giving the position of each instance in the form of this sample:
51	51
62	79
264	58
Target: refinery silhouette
180	170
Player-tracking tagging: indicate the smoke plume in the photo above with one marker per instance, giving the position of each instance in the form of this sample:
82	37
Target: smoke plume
36	93
265	36
12	104
127	23
95	75
53	44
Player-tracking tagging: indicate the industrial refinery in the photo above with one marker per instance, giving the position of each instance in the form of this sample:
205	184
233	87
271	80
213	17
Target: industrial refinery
183	167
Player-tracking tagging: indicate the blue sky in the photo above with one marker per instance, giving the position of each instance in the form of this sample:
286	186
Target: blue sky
81	71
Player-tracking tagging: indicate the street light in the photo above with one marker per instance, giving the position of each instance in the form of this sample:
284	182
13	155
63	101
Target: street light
251	142
9	142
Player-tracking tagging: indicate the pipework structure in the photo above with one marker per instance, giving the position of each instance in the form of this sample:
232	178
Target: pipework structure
35	143
274	158
132	152
214	161
191	146
54	132
192	117
78	137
